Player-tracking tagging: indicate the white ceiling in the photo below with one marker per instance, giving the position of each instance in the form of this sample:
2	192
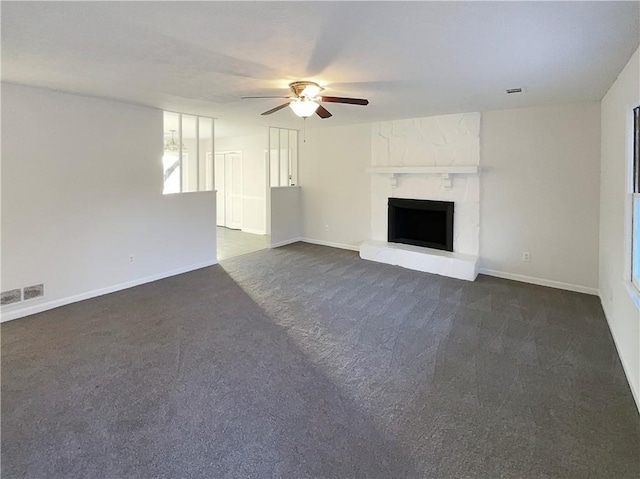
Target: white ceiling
410	59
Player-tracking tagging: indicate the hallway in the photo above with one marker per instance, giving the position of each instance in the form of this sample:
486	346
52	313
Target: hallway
235	242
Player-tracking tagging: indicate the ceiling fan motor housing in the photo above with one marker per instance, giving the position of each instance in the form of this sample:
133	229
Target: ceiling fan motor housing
298	87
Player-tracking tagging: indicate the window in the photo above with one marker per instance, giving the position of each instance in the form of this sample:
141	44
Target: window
283	157
187	162
635	244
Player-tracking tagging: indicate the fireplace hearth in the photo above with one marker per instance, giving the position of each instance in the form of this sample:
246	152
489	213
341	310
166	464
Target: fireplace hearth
421	223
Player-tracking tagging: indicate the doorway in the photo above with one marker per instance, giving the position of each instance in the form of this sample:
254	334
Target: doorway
228	175
237	206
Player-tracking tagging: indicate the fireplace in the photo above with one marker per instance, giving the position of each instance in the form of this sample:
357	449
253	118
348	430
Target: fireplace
421	223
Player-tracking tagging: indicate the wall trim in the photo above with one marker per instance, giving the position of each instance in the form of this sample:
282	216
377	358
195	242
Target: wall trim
38	308
331	244
624	367
286	242
540	281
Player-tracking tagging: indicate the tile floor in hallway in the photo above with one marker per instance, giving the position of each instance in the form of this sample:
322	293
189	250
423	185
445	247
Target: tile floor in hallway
235	242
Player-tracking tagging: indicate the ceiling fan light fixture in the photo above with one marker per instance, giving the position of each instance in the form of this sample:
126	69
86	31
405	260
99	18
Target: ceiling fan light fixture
311	91
303	107
306	100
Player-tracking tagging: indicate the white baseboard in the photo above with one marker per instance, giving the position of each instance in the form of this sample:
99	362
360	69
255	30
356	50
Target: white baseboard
254	231
540	281
624	366
38	308
329	243
285	242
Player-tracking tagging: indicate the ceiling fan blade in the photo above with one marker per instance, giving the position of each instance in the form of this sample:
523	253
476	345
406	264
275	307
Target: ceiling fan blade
248	97
278	108
350	101
322	112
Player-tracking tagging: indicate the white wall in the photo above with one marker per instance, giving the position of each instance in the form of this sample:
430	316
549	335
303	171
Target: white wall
81	191
540	194
286	215
615	219
336	197
254	180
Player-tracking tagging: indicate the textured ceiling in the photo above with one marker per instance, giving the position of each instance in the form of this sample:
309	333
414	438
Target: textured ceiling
409	59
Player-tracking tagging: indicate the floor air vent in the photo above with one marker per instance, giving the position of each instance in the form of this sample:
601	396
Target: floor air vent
34	291
10	297
16	295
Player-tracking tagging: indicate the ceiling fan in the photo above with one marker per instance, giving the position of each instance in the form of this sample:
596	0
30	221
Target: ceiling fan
306	100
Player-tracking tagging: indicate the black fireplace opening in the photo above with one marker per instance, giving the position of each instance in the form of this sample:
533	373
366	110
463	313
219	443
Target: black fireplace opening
421	223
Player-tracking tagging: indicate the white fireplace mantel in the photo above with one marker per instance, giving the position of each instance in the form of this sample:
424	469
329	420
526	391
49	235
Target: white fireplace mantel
444	171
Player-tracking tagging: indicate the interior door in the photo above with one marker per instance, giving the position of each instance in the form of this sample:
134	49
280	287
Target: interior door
220	188
233	190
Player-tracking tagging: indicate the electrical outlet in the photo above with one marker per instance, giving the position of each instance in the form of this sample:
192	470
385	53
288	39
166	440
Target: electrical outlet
132	259
526	256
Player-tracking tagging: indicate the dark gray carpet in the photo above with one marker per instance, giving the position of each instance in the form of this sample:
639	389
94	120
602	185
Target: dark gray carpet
307	362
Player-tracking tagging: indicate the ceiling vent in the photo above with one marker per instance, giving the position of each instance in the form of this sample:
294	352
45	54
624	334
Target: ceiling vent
514	90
